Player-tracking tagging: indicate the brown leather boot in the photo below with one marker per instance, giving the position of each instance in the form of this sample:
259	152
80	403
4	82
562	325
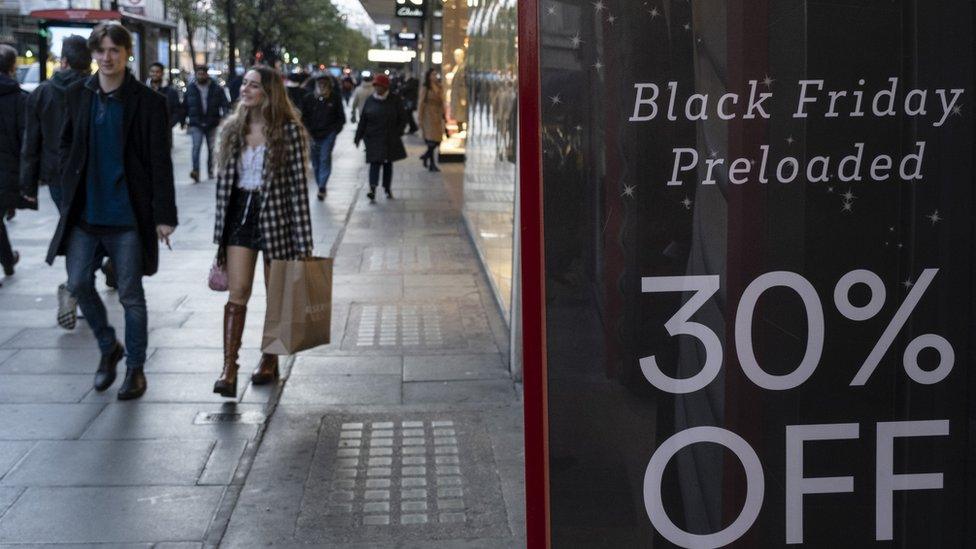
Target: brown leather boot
267	370
234	316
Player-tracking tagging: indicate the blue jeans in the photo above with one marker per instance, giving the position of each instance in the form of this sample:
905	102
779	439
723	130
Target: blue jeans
198	135
322	159
84	254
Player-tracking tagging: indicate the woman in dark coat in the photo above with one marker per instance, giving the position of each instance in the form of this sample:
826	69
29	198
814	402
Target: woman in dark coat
381	127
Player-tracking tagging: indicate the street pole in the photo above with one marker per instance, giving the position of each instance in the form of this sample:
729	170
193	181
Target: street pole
428	35
232	40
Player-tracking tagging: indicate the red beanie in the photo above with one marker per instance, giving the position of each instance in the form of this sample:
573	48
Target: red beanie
381	80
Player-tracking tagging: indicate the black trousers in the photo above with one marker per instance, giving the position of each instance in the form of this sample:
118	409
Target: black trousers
374	174
6	251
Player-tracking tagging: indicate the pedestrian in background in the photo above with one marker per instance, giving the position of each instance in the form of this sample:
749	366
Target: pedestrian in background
294	84
206	104
158	85
12	117
41	154
262	205
362	93
408	92
432	116
381	127
323	116
117	182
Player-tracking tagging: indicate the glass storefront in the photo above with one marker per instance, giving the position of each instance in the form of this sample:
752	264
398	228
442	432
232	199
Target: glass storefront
759	270
489	65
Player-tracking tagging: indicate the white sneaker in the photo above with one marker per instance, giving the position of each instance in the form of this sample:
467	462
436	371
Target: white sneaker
67	309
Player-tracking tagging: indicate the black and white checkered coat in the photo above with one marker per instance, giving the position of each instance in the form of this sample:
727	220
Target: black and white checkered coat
284	221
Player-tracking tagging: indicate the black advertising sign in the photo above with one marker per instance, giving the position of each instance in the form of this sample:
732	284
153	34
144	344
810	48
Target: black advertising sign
757	249
410	8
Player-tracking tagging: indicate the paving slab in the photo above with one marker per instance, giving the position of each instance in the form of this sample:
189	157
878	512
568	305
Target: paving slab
312	366
110	514
165	387
496	391
46	421
339	389
156	421
111	463
21	388
11	452
454	367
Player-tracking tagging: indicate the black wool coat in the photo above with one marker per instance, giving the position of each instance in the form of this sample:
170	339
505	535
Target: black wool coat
12	111
146	157
381	127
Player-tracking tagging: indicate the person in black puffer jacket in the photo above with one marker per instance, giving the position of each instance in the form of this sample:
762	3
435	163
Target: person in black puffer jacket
323	116
12	108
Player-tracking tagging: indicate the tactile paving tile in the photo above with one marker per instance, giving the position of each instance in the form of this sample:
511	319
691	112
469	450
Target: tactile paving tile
449	324
422	476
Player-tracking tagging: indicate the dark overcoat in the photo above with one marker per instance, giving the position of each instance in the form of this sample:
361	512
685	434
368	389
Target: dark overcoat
381	127
146	159
12	109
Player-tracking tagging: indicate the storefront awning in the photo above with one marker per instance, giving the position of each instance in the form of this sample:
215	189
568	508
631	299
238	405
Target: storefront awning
76	15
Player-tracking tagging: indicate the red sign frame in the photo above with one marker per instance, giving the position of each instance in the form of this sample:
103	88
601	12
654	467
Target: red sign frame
533	279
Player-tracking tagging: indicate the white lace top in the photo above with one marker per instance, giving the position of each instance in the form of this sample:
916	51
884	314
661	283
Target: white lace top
252	168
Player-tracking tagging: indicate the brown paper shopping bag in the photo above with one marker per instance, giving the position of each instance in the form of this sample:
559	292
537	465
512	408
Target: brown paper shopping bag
299	313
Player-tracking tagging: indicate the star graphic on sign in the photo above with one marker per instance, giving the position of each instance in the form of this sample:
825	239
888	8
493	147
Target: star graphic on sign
768	81
957	110
556	99
891	229
908	284
847	207
628	191
713	154
848	196
576	40
900	245
790	140
598	65
687	202
687	26
830	189
579	127
654	13
551	10
934	217
599	6
612	19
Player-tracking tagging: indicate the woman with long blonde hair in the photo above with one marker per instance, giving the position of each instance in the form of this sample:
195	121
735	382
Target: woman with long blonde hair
262	204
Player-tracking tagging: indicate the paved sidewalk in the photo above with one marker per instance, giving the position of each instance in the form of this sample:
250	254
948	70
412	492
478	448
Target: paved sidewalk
416	338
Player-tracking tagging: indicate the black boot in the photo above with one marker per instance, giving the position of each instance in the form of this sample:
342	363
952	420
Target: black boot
105	375
371	195
134	385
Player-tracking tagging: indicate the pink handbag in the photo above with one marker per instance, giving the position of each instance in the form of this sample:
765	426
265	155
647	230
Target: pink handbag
217	279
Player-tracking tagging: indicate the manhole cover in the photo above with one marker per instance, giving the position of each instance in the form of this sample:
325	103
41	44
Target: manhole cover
426	476
212	418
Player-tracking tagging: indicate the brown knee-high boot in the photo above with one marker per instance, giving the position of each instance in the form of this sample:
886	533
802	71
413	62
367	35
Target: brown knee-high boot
267	370
234	316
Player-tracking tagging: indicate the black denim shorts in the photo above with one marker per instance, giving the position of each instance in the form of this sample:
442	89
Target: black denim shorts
242	220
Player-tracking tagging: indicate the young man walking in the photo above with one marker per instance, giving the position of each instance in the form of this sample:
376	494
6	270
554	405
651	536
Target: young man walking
206	105
158	85
41	161
117	181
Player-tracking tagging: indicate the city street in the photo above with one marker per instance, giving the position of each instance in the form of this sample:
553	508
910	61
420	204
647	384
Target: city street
405	431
